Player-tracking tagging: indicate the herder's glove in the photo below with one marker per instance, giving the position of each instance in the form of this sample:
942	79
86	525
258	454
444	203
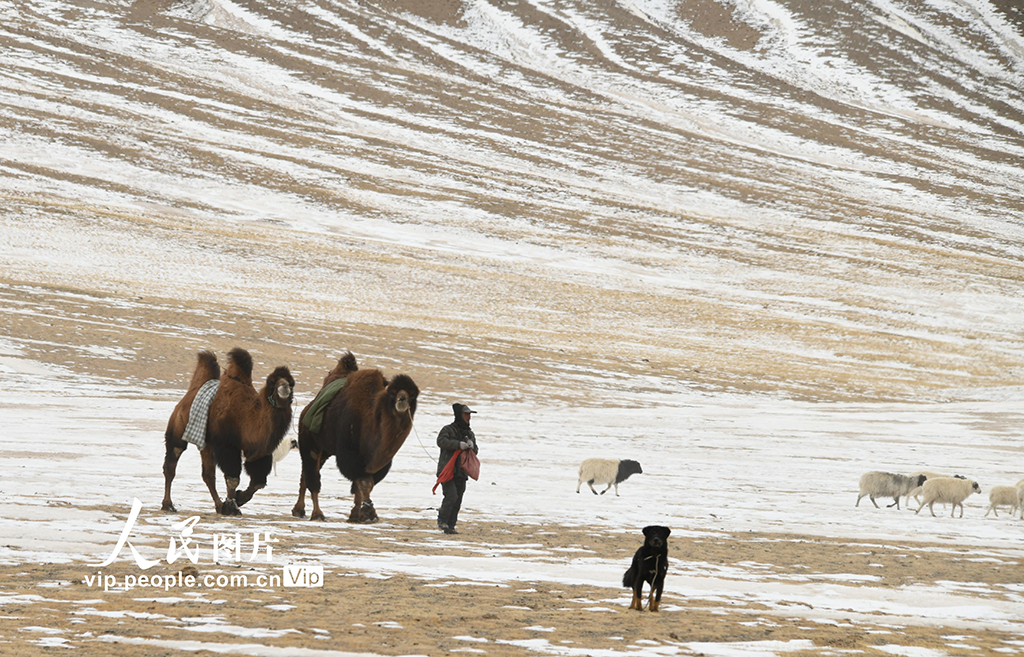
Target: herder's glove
464	445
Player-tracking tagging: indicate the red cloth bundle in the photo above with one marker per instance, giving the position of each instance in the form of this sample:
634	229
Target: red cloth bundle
469	463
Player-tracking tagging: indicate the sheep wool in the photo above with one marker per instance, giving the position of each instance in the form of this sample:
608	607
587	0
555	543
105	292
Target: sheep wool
610	472
1020	497
916	491
886	484
1002	496
947	489
283	449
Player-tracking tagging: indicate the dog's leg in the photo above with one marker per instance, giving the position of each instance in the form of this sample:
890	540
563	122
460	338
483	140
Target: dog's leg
637	603
653	602
638	593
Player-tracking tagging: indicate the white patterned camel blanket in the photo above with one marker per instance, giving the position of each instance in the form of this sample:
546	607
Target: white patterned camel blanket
195	430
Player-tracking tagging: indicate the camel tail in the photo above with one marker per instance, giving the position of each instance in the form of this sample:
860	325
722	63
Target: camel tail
207	368
241	364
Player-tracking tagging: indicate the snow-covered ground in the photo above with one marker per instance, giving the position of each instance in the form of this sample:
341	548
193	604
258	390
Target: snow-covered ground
712	463
760	246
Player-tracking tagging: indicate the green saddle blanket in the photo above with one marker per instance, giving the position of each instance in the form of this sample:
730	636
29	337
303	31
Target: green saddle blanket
313	420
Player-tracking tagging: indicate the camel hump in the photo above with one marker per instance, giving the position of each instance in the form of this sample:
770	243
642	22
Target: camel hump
346	365
240	366
207	368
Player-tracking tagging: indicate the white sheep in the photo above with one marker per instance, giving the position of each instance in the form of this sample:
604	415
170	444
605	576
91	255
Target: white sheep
1002	496
606	471
283	449
916	492
886	484
1020	497
947	489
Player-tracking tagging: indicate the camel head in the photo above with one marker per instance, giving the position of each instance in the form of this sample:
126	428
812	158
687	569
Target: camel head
402	393
279	387
393	412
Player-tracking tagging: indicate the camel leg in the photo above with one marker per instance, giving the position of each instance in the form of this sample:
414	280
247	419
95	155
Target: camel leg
366	510
308	456
171	457
210	475
230	506
257	469
357	501
362	508
317	513
299	510
314	494
230	462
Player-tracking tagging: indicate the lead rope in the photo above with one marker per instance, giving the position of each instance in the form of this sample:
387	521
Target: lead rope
653	580
409	413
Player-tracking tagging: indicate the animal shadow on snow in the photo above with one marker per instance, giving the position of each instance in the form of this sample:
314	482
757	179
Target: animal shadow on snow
650	564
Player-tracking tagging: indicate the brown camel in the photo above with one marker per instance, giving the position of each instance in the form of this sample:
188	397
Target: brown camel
364	426
242	422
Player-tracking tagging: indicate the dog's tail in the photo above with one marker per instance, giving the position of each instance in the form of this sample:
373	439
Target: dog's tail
629	578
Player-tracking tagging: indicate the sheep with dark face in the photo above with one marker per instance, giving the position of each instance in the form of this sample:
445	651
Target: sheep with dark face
610	472
947	489
886	484
916	492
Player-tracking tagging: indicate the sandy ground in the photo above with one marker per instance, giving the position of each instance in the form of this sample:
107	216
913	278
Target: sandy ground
396	615
153	341
839	264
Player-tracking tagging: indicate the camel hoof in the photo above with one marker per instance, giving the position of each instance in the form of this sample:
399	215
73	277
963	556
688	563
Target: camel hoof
242	497
229	508
299	513
365	513
168	507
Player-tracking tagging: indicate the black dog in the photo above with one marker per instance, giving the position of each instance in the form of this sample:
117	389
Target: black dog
650	564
